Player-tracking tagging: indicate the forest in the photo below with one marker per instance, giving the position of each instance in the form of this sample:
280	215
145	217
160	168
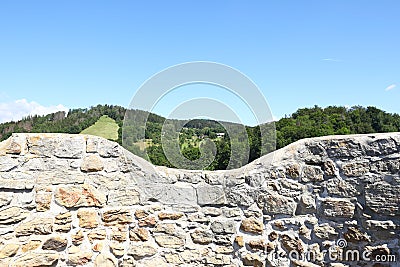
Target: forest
146	138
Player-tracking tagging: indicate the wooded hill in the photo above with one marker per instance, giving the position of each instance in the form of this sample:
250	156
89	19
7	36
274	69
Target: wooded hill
304	123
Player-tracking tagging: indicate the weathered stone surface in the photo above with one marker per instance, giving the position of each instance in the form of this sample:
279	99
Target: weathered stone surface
8	163
34	259
202	236
252	259
325	231
117	216
139	234
31	245
117	249
38	226
43	200
62	222
141	251
239	240
252	225
55	243
11	183
105	260
354	235
97	234
119	234
312	174
356	168
273	204
313	193
12	215
223	226
169	241
124	197
8	250
5	198
209	194
88	218
170	215
337	207
307	204
60	177
181	194
339	187
76	256
383	198
79	196
77	238
92	163
293	170
329	168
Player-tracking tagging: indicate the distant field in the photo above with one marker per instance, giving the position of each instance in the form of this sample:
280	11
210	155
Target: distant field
105	127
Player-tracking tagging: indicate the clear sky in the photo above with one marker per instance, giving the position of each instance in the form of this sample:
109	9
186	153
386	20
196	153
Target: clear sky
70	54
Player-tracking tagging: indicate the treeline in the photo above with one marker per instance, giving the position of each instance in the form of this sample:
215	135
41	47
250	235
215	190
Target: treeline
143	131
74	122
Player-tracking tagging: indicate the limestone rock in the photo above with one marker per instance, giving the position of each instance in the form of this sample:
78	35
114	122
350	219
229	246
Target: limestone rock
105	260
117	249
43	201
12	215
76	256
201	236
124	197
34	259
356	168
354	235
8	250
117	217
252	259
7	163
62	222
383	198
337	207
31	245
88	218
38	226
312	174
77	238
97	234
55	243
325	231
252	225
210	194
92	163
5	198
239	240
170	215
142	251
223	226
138	234
169	241
79	196
273	204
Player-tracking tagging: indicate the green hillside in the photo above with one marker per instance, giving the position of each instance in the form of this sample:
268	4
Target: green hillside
105	127
107	121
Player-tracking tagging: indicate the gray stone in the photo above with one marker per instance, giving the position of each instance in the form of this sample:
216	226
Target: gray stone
223	226
273	204
383	198
171	193
210	194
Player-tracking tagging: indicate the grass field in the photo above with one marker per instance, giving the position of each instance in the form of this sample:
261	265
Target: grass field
105	127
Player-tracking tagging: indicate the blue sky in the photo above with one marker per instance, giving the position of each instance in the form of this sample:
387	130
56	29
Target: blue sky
69	54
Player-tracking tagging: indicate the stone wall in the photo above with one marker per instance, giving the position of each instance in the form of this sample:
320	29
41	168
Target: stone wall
77	200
